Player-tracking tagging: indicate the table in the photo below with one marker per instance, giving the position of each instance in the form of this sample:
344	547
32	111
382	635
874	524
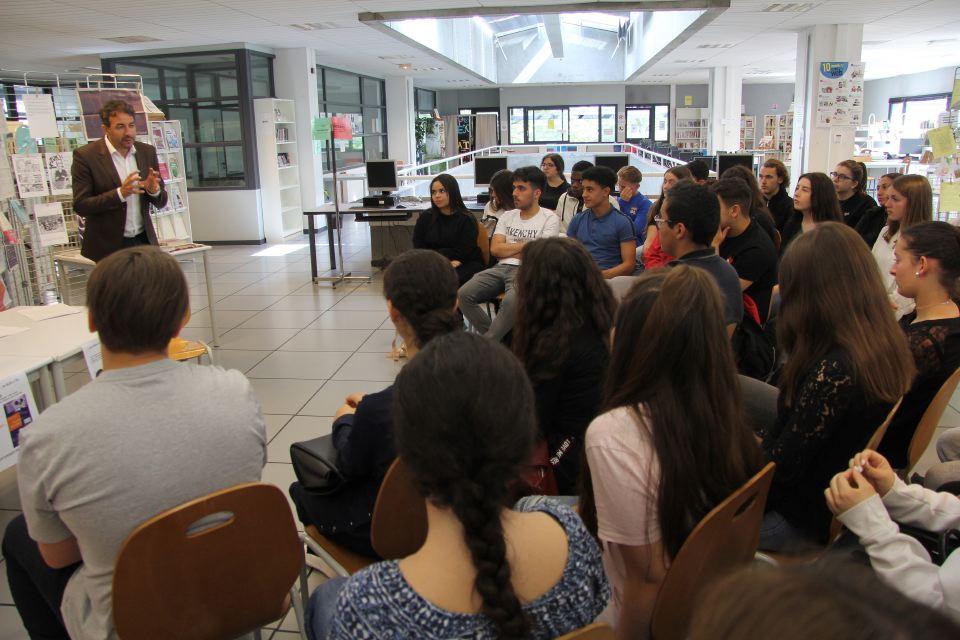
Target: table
36	369
74	258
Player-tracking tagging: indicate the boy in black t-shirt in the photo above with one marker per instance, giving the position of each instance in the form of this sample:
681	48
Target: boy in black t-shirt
746	246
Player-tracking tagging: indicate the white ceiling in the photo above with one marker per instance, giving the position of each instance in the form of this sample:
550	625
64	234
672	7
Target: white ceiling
56	35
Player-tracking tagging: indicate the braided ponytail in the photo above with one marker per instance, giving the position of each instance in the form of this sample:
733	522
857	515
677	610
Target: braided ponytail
422	286
465	425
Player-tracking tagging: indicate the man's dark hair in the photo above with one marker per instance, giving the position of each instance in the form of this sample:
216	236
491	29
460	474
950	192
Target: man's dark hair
699	169
734	191
531	175
603	176
138	299
580	166
697	208
114	107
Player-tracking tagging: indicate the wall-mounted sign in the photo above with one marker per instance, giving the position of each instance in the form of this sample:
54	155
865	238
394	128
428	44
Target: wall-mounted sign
840	94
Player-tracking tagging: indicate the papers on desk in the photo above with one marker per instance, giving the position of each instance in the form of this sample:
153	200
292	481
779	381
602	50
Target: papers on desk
11	331
19	411
47	312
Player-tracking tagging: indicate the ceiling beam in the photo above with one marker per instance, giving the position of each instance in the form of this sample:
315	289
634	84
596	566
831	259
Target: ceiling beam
551	24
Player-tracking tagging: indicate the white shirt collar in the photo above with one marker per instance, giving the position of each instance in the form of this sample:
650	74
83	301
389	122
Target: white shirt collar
112	150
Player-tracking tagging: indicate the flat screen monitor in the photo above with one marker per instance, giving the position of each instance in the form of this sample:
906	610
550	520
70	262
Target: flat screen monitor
613	161
382	175
911	146
727	160
484	168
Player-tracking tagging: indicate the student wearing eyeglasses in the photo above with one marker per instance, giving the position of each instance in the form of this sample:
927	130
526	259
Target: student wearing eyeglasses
850	180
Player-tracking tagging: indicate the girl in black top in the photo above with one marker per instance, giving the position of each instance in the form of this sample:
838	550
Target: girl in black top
848	364
449	229
850	180
926	267
815	201
556	186
562	337
874	220
758	210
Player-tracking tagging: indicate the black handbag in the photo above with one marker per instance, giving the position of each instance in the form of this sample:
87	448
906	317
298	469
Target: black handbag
315	463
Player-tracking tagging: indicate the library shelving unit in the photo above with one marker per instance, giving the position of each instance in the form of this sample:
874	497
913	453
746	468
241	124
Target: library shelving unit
748	131
769	138
785	135
691	127
172	222
279	176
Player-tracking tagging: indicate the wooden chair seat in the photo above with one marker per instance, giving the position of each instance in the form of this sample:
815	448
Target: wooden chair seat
349	560
595	631
180	350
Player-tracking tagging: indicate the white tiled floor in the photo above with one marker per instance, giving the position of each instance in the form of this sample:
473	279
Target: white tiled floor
304	348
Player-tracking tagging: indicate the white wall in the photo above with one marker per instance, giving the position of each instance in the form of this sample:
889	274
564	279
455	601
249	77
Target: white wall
560	96
401	144
226	216
295	79
877	93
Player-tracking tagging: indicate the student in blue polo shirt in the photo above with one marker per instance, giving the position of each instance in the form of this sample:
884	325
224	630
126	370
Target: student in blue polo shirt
603	229
631	202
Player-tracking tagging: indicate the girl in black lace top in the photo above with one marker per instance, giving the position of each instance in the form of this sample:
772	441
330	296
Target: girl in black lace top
847	365
926	267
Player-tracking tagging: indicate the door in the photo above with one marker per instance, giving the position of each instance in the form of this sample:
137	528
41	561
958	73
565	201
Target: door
648	122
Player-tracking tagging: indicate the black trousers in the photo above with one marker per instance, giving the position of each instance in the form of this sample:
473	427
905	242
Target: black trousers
136	241
37	589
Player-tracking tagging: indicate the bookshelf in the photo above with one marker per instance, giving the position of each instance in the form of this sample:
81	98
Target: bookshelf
172	222
691	127
279	176
748	132
785	135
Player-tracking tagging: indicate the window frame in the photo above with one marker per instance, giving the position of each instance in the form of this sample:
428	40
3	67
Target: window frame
565	116
652	129
325	107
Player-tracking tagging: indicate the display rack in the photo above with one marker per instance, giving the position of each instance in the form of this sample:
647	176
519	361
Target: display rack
172	222
691	128
785	135
279	176
748	131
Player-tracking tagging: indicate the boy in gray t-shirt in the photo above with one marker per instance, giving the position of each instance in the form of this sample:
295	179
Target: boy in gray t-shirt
147	435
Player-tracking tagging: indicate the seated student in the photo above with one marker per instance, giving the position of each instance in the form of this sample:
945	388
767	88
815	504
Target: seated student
909	202
745	246
826	600
145	436
421	291
688	223
758	211
837	385
485	571
699	171
869	499
775	185
555	183
850	179
926	267
672	443
515	229
875	219
607	234
501	199
654	256
449	229
631	202
571	202
563	342
815	201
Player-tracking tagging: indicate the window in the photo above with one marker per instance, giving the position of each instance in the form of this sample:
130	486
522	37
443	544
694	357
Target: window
913	116
648	122
586	123
211	94
362	100
424	101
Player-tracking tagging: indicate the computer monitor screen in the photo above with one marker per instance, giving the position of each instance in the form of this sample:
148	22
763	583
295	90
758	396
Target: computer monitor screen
911	146
615	162
485	167
727	160
382	175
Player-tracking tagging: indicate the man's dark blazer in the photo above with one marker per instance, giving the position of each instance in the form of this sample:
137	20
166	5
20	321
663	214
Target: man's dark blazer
95	184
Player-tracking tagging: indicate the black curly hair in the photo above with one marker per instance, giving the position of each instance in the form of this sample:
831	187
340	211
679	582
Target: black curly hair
422	286
560	291
466	447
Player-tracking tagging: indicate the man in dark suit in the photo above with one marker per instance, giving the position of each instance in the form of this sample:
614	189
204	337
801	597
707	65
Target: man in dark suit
115	179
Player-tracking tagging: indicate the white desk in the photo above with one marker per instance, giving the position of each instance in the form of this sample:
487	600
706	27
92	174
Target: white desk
57	339
74	258
36	369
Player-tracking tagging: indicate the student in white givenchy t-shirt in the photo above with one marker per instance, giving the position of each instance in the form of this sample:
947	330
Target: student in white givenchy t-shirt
524	224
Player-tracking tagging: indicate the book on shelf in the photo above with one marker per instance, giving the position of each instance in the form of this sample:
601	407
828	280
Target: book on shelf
164	170
172	136
174	163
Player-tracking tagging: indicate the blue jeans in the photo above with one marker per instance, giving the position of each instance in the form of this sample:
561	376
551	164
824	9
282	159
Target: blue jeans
322	607
776	534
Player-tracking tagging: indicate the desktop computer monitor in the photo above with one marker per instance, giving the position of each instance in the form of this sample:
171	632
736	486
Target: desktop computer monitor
484	168
911	146
612	161
382	175
727	160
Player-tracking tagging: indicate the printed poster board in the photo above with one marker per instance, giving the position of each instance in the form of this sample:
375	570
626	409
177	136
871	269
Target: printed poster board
840	94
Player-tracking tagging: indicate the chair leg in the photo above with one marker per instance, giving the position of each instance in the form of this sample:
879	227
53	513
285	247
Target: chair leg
298	609
257	635
304	587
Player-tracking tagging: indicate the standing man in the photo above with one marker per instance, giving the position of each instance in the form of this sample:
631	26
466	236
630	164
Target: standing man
115	179
774	183
526	223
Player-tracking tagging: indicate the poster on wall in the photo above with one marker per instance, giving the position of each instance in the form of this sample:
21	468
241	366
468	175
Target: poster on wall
51	226
92	100
31	177
955	99
840	94
58	170
19	411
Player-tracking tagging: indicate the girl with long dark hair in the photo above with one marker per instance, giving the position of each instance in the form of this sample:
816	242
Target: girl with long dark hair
850	180
485	571
875	219
557	185
562	337
815	201
653	254
449	229
672	443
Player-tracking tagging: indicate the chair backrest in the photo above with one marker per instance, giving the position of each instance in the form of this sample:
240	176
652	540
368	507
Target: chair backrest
399	526
483	241
595	631
174	579
931	419
877	436
727	537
